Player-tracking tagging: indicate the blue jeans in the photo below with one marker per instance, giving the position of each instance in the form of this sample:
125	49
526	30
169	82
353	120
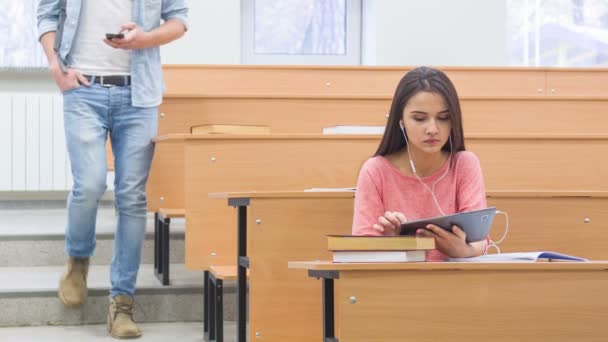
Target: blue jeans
90	114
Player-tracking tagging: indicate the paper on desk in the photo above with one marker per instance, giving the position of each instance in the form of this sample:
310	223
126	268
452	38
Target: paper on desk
519	257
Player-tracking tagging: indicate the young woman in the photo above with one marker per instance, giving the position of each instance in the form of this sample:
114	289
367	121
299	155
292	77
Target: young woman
421	168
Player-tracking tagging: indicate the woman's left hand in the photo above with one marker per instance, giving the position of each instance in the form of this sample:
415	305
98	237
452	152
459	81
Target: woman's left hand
452	244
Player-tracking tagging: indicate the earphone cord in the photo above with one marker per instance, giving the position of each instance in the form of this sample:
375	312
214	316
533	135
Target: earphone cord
495	244
432	191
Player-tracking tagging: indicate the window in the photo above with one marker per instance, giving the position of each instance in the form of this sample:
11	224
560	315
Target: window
557	33
301	31
19	47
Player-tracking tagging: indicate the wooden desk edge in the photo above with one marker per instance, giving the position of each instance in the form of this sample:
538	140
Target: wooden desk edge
599	265
544	193
316	136
339	194
283	194
171	137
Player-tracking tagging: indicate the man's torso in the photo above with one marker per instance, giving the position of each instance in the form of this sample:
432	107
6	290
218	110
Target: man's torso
90	55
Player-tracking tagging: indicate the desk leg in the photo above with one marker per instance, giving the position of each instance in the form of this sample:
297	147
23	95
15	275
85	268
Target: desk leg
329	334
206	305
242	275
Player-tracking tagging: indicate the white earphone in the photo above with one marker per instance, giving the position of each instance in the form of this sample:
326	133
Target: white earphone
432	189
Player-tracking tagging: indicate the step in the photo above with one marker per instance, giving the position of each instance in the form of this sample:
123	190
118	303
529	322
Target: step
151	332
36	237
28	296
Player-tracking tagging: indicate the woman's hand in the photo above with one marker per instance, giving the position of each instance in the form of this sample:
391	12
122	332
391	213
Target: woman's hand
452	244
390	222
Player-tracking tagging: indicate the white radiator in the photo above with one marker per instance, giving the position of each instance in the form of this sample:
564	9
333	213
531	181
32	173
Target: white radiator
33	155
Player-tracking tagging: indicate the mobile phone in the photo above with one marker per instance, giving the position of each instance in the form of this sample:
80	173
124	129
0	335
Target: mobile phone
115	35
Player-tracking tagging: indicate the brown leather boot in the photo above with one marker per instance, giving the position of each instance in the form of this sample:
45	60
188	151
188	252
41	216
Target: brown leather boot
120	318
73	284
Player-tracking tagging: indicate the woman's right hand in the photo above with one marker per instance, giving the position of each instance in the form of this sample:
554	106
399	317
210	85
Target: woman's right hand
67	80
389	223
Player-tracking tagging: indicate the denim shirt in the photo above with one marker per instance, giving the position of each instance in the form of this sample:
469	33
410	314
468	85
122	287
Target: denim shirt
147	85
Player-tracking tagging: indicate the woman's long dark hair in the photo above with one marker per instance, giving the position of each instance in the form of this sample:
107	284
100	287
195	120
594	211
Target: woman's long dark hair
417	80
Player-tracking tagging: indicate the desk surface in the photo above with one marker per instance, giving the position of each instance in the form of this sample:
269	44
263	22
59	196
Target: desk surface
600	265
266	136
282	194
346	193
278	136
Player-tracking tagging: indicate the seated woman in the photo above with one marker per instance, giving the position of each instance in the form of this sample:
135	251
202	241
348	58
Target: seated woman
421	168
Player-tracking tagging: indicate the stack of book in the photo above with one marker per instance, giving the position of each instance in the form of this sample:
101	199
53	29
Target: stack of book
350	248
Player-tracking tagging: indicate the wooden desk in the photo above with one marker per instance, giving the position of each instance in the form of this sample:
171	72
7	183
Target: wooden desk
272	162
571	222
273	228
550	301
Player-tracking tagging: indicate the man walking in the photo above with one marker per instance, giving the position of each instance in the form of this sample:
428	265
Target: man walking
111	85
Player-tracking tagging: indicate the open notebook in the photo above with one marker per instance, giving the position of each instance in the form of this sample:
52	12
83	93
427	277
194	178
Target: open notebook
520	257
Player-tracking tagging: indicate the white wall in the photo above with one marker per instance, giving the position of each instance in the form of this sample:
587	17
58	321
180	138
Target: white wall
436	32
214	36
395	32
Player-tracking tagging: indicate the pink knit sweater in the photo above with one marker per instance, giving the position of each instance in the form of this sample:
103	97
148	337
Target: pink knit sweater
383	187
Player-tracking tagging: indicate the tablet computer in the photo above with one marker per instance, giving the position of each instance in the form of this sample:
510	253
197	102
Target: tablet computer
476	223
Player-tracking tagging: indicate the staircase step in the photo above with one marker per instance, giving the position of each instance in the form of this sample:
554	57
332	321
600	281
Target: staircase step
152	332
36	237
28	296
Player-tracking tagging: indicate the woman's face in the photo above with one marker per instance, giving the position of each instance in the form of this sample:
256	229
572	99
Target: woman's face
427	122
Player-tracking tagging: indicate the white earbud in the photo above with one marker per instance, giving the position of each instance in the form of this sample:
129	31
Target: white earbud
408	147
412	165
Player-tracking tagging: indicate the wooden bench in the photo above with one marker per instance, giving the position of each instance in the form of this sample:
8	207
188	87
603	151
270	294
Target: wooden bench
162	220
213	325
248	162
280	226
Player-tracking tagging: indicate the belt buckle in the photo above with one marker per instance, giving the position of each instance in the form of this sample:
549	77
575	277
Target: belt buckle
104	84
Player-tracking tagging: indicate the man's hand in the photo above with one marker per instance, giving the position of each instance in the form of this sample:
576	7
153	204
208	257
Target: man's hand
135	38
67	80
